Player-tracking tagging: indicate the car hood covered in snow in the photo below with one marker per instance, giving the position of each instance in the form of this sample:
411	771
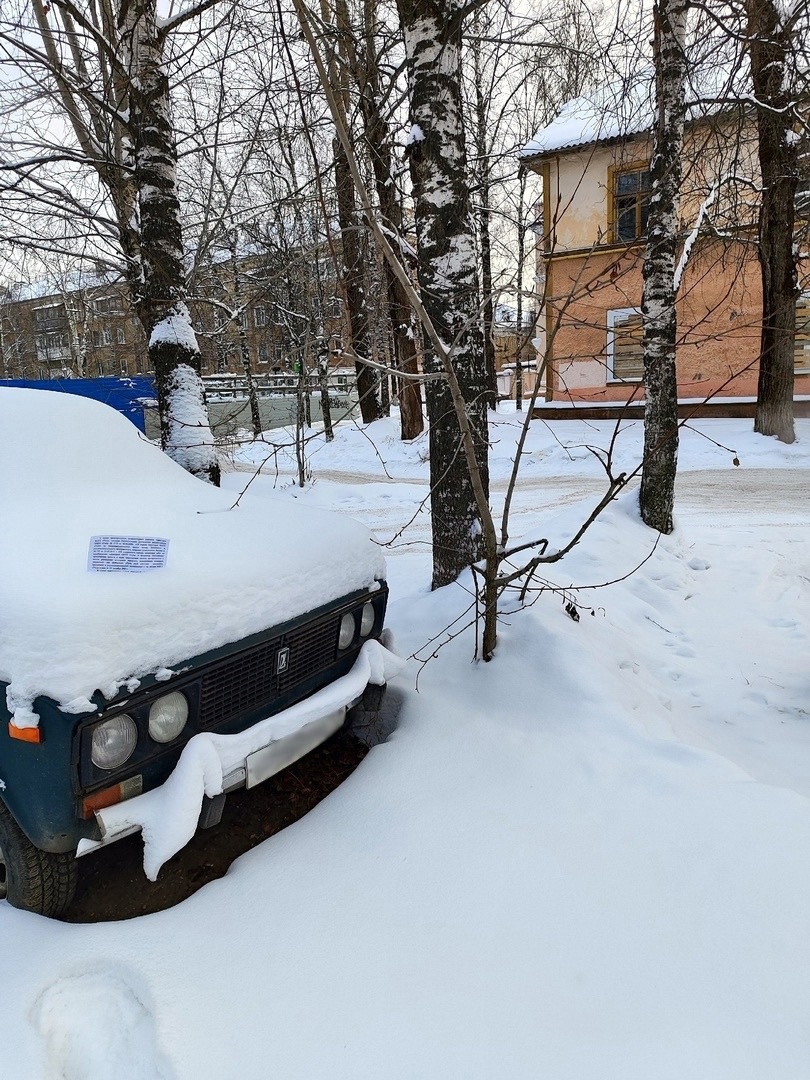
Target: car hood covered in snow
72	469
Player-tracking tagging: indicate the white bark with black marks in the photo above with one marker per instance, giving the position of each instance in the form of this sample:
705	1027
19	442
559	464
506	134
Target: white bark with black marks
174	353
447	274
366	70
658	305
772	52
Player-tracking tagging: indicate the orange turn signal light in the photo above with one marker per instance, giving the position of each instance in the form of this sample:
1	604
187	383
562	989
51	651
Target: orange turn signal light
111	795
25	734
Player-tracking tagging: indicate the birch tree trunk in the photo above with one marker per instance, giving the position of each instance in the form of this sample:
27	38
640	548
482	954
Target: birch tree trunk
660	323
326	407
378	139
520	336
244	348
352	235
447	274
485	239
99	123
771	49
174	354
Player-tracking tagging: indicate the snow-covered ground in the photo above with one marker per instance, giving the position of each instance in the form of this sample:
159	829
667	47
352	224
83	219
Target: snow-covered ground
585	860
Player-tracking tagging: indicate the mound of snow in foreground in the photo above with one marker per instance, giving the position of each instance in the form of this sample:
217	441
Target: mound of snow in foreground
586	859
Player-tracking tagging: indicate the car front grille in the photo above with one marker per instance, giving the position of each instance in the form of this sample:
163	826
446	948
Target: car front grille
311	648
247	682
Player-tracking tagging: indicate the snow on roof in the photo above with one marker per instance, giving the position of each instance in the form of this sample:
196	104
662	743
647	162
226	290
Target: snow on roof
72	469
62	285
623	107
613	110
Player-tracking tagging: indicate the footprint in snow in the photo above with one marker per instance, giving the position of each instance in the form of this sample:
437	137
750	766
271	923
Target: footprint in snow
96	1026
685	650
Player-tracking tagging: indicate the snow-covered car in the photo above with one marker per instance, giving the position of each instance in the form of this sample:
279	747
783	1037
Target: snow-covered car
161	641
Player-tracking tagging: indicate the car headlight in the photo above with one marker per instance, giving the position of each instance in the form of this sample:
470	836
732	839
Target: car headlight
346	635
367	619
113	741
168	716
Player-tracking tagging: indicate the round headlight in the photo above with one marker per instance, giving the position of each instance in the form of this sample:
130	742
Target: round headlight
113	741
346	635
168	716
367	619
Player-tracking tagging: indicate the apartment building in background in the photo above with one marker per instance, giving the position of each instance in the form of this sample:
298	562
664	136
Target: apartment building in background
594	161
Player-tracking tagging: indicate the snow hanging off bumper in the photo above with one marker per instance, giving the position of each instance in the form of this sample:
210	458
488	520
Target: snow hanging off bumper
167	816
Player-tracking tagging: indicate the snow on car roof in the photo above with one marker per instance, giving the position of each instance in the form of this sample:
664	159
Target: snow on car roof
72	469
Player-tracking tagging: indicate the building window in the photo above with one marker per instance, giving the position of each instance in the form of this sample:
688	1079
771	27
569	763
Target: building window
803	199
120	336
801	350
625	348
50	317
102	338
260	316
108	304
264	357
631	203
52	347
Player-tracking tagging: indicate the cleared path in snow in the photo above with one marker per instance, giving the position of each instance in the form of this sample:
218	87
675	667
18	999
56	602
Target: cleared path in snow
731	489
734	492
393	509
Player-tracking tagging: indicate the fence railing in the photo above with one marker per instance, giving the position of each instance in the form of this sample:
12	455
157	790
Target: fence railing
229	387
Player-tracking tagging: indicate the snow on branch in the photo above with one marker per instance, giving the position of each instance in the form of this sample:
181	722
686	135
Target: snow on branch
701	217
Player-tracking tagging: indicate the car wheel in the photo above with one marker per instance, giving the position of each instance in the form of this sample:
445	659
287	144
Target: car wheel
33	880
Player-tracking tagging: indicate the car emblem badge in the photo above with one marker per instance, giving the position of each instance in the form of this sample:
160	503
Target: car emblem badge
282	660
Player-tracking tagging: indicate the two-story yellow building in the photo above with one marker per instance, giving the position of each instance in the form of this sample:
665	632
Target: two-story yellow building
593	159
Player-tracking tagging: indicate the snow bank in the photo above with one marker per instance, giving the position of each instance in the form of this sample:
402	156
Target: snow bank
585	859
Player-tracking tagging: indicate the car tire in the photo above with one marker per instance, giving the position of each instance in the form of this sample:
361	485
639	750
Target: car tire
31	879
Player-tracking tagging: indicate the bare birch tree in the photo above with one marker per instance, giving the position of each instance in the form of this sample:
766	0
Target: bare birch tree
353	237
363	53
447	273
102	70
658	304
773	38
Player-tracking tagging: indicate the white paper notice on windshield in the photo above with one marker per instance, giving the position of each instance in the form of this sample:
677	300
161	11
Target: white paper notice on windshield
126	554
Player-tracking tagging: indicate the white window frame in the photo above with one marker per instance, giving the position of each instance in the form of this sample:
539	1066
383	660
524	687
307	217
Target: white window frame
49	325
112	304
260	317
613	316
52	345
804	368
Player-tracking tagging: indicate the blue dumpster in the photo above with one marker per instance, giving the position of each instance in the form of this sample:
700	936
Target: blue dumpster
129	394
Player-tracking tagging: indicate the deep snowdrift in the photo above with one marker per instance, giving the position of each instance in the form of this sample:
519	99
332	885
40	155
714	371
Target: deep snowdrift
586	859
